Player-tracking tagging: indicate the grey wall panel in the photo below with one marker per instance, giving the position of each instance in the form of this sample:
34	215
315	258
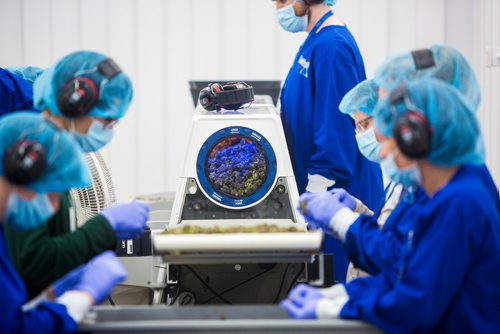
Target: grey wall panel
12	36
123	36
162	44
38	32
487	34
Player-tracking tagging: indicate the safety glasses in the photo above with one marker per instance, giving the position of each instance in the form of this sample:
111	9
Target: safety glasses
363	125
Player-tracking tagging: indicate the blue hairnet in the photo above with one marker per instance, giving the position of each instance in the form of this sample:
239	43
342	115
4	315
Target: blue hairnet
363	97
451	66
28	73
66	165
115	95
455	129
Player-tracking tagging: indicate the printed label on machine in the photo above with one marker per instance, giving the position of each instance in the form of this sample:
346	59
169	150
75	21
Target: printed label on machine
130	246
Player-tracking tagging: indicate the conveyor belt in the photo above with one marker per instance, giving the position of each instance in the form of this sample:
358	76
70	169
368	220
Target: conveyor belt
210	319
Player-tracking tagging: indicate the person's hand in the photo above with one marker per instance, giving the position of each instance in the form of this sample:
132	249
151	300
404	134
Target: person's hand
304	291
128	220
100	276
302	302
65	283
345	198
318	209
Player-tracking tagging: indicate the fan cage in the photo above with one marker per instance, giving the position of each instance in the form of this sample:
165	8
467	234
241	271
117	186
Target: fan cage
90	201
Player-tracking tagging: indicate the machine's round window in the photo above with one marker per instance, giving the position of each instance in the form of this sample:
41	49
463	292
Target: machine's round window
236	166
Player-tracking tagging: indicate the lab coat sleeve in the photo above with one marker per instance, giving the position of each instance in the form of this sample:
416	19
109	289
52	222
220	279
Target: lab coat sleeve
47	318
43	258
432	268
335	148
369	247
15	93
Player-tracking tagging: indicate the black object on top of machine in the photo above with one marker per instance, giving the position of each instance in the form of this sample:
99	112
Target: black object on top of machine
230	96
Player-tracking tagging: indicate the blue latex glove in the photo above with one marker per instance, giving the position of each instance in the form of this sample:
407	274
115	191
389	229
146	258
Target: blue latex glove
101	275
304	291
302	301
67	282
345	198
128	220
318	209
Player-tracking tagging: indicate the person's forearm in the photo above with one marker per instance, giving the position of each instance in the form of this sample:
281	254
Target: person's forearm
50	258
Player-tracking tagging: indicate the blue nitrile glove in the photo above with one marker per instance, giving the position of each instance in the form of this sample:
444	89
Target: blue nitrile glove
304	291
302	302
318	209
67	282
128	220
345	198
101	275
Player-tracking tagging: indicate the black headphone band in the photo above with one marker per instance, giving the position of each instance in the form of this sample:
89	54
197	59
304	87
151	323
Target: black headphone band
108	68
230	96
235	93
399	94
313	2
423	59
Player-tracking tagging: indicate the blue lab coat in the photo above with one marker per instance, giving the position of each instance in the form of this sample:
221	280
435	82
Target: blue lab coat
321	140
16	93
372	248
46	318
445	279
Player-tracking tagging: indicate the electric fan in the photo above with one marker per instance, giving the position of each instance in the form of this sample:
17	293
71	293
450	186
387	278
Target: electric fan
101	194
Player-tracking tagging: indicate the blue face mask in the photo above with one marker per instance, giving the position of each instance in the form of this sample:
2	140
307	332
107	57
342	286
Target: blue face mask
24	214
409	176
289	21
96	138
368	145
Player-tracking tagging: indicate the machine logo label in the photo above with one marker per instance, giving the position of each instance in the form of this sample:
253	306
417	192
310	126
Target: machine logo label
217	196
256	136
304	64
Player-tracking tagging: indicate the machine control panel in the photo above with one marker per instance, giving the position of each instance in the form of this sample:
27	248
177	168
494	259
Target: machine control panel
275	206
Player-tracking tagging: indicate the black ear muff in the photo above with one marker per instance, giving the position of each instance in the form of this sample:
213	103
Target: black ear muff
413	135
24	162
207	97
77	97
412	131
80	94
231	96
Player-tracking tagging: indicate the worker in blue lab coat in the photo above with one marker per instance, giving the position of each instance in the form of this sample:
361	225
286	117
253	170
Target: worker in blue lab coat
321	140
16	93
445	278
39	161
444	63
367	243
359	103
49	252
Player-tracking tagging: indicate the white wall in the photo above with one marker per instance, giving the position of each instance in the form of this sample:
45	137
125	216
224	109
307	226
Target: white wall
486	15
162	44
